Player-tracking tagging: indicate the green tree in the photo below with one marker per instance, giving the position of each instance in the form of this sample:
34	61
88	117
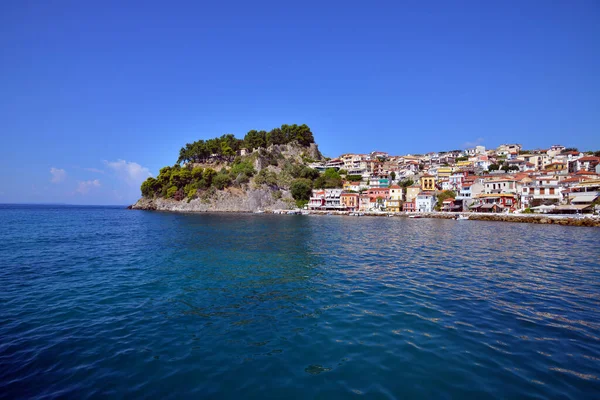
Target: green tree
354	178
406	183
276	136
569	149
329	180
164	176
255	139
171	191
207	177
227	151
303	135
221	181
243	167
493	167
266	177
197	173
149	187
446	194
181	177
301	189
309	173
393	175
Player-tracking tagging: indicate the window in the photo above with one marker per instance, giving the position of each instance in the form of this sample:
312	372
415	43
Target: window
551	190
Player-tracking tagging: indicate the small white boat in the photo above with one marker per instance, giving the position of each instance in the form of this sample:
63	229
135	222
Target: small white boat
414	216
305	212
259	212
462	217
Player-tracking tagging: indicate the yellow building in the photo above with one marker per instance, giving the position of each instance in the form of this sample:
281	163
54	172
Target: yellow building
555	167
412	192
396	193
444	172
464	163
394	203
427	182
350	201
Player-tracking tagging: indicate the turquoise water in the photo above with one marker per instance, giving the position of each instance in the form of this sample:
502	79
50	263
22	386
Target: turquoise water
106	302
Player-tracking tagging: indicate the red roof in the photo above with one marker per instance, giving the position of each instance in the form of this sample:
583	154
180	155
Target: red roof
589	158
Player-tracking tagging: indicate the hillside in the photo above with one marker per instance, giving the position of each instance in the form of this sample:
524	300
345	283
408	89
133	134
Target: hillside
265	170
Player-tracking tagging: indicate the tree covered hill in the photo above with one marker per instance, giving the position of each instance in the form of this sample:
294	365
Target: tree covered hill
227	146
274	162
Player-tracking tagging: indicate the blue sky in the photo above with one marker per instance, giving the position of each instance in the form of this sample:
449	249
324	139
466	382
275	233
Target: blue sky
95	96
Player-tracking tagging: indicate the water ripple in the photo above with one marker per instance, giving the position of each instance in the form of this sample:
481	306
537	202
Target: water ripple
103	302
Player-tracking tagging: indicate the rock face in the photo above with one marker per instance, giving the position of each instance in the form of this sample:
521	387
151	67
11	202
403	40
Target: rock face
290	151
232	200
249	198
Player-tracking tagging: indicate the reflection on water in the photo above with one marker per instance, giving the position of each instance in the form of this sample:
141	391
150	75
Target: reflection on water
107	302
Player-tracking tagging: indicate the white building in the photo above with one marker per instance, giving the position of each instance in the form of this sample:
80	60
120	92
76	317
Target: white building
500	185
425	202
326	199
506	149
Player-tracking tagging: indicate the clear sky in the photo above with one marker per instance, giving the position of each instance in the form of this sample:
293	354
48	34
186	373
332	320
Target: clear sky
97	95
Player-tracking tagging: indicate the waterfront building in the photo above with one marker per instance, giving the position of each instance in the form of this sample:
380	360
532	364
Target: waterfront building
425	201
350	201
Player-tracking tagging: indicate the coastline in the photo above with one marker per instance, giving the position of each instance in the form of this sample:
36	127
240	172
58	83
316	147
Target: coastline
547	219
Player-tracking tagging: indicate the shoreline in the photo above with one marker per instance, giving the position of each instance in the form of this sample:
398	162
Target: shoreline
546	219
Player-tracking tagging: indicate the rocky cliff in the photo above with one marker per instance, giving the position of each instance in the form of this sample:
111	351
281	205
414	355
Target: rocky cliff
249	196
230	199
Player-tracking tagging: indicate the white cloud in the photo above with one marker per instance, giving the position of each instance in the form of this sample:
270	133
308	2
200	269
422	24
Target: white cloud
58	175
131	172
96	170
474	143
85	186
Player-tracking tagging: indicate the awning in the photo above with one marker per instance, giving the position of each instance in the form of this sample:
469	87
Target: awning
573	207
543	207
584	198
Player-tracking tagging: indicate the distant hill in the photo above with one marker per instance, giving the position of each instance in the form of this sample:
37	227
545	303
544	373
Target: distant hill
265	170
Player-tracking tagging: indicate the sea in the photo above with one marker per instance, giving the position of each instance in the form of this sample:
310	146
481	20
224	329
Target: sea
105	302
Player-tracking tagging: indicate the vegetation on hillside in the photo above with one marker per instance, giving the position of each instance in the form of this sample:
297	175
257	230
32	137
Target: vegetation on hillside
195	173
225	148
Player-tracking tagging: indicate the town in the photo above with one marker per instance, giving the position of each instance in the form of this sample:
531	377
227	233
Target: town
507	179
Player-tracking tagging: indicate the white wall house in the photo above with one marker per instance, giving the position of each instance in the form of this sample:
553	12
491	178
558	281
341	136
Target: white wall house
500	186
425	202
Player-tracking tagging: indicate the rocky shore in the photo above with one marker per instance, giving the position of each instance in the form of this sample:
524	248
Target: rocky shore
262	199
229	200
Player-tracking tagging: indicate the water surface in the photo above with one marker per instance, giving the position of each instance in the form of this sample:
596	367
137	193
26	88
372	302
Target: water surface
106	302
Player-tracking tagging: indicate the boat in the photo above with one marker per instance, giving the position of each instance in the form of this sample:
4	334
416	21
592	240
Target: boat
415	216
462	217
304	212
259	212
